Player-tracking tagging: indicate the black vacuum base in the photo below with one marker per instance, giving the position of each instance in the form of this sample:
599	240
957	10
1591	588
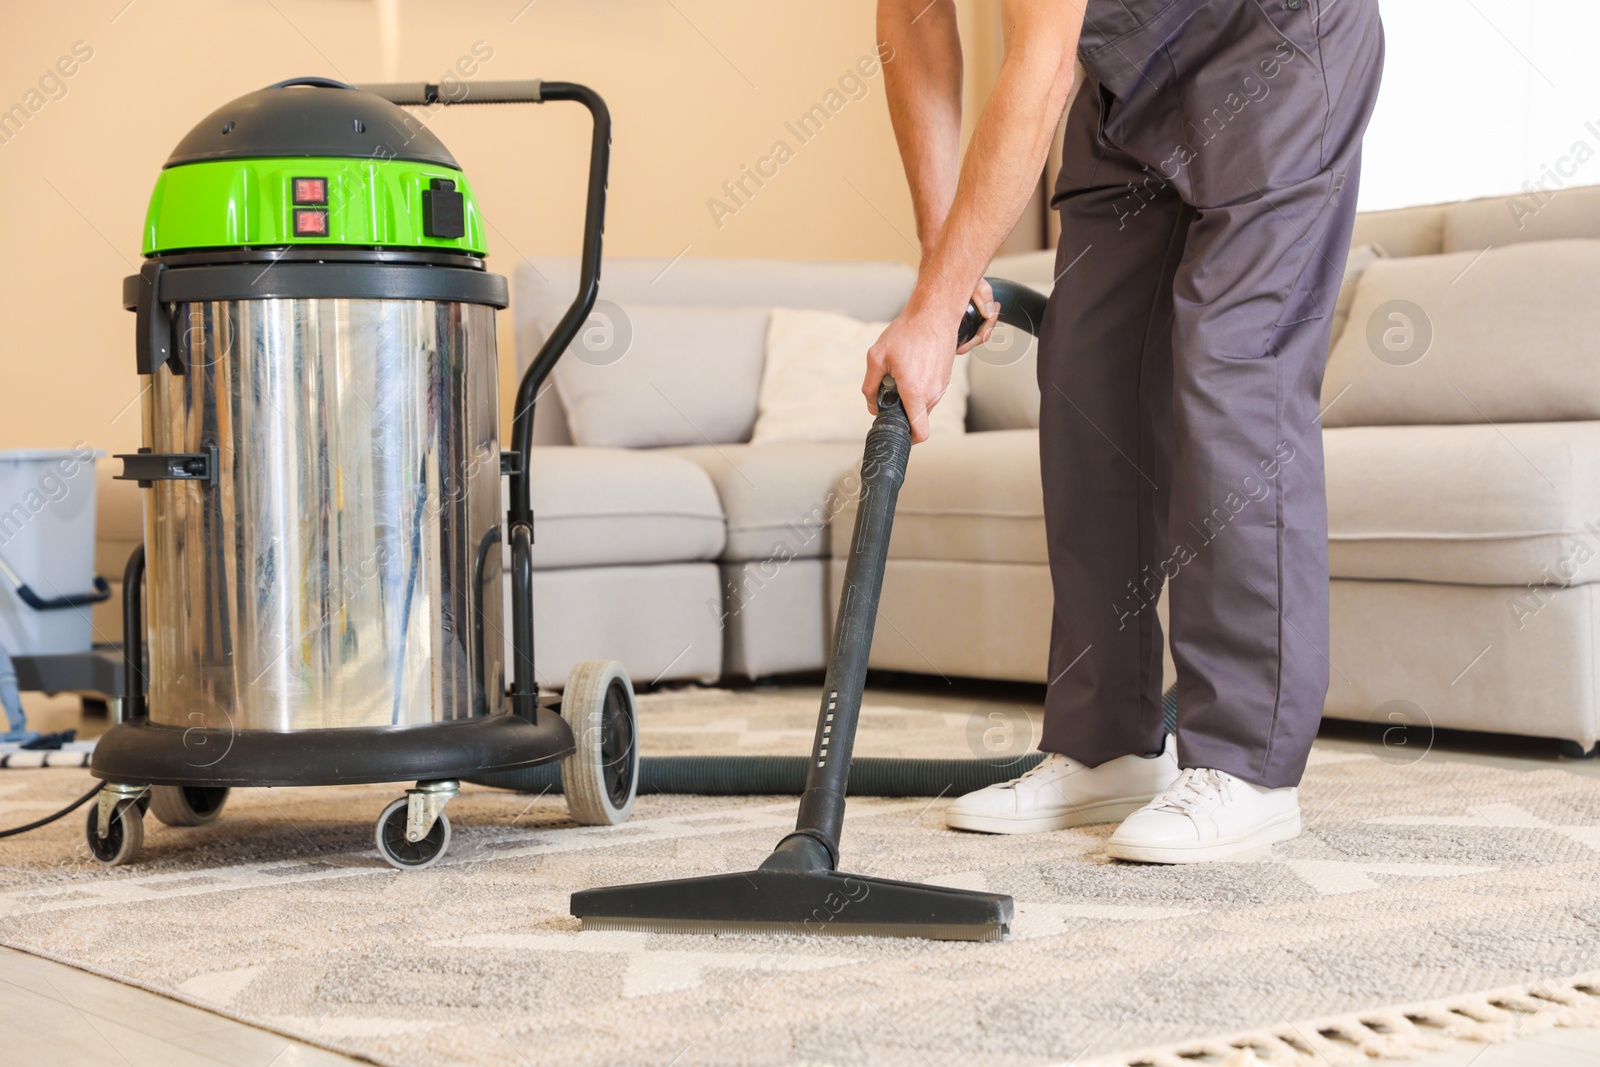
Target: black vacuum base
145	753
790	902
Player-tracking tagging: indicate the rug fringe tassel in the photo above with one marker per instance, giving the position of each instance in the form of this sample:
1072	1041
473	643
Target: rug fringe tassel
1399	1033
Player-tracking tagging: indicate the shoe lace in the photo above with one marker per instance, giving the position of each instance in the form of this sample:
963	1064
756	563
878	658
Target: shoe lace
1196	787
1050	762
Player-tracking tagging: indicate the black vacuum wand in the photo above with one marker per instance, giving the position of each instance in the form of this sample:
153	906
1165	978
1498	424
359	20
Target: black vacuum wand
799	888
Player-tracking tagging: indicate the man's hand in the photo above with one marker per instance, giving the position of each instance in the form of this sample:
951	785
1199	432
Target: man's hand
918	350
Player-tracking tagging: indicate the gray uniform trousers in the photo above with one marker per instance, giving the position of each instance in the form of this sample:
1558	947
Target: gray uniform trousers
1207	194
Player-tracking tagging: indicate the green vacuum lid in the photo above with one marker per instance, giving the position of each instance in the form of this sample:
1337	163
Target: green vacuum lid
311	162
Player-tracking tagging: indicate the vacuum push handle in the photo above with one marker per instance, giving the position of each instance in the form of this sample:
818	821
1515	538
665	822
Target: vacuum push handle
418	94
883	469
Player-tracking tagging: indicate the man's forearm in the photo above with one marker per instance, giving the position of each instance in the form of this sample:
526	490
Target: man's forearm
1002	166
923	84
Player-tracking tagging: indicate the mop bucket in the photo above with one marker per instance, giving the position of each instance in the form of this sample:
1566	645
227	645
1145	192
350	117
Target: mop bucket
47	579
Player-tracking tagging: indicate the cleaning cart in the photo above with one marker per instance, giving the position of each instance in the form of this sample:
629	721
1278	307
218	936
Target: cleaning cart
318	597
48	587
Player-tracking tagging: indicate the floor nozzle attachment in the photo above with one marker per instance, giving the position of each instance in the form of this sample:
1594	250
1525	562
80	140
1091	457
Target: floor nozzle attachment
767	901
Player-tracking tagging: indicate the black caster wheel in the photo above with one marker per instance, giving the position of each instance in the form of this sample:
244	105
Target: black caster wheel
406	855
1573	750
124	837
601	776
185	805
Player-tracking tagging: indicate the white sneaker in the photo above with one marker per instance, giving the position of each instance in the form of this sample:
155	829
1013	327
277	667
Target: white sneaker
1061	792
1207	815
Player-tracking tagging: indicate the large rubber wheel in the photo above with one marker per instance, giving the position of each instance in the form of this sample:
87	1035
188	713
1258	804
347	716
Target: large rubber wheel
601	777
187	805
406	855
124	838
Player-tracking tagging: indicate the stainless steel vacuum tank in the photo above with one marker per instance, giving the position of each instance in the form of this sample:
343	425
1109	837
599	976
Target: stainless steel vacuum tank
324	525
344	568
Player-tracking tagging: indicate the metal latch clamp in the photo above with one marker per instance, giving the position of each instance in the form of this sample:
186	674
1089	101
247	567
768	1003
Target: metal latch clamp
146	467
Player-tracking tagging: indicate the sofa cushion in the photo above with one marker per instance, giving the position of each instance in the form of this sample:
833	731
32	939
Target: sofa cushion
777	497
664	376
1480	505
976	497
811	381
1535	216
1506	335
602	506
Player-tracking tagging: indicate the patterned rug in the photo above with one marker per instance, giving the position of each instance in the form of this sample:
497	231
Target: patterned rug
1426	900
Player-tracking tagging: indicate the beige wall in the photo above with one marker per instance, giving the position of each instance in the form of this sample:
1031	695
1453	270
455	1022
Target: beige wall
697	88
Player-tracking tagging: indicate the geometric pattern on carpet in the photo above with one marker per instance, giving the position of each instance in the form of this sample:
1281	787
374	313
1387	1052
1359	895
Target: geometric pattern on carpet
1412	884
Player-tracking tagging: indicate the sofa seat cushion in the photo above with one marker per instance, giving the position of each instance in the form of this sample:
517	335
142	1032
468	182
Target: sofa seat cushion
1475	505
777	497
975	497
606	506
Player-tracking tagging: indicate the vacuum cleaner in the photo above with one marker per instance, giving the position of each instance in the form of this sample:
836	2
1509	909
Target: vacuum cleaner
799	888
322	466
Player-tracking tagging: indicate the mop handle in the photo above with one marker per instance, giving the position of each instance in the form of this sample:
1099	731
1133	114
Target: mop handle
25	593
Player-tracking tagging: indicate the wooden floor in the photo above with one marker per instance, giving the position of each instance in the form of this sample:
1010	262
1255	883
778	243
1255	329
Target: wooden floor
53	1014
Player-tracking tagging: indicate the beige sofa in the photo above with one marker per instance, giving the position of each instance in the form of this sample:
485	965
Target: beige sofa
1464	485
1460	484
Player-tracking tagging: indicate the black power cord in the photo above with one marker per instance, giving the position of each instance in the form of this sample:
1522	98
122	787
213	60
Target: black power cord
48	819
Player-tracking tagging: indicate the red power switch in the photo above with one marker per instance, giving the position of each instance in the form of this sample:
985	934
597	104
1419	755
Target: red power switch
310	222
310	191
